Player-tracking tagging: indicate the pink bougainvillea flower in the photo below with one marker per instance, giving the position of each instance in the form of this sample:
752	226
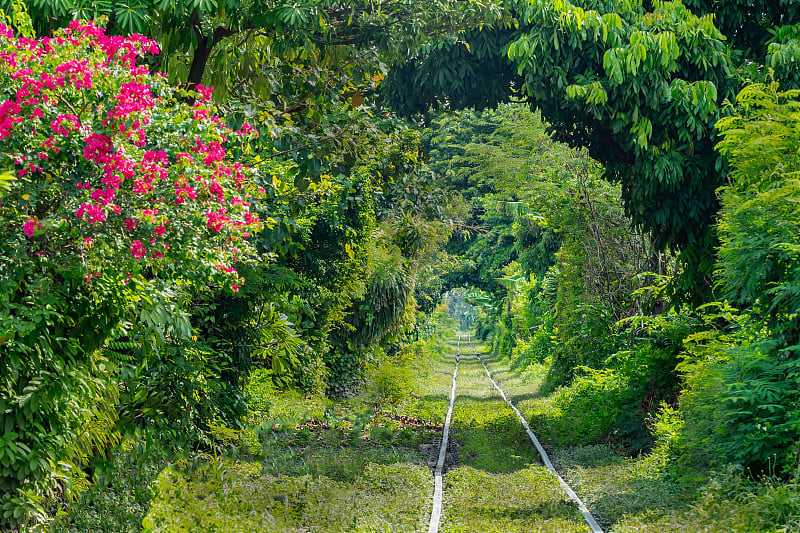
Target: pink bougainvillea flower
77	104
103	196
223	268
183	191
205	92
63	124
30	226
9	117
149	215
97	148
95	213
143	186
216	190
137	250
216	220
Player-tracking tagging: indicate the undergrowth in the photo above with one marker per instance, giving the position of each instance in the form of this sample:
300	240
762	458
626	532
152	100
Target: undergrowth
308	463
120	498
657	490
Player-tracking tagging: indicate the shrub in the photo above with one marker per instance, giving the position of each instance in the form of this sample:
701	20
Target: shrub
120	499
260	391
535	350
742	375
124	195
586	411
584	337
393	381
759	222
741	402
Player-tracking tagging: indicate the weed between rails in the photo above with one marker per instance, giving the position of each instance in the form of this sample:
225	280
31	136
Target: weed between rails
492	438
500	485
528	499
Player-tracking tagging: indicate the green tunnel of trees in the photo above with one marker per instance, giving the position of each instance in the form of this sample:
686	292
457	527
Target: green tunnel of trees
611	186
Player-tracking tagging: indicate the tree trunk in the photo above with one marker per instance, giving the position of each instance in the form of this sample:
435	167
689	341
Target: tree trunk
201	54
199	60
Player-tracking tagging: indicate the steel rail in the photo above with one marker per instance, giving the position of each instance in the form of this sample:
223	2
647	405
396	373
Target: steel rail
436	510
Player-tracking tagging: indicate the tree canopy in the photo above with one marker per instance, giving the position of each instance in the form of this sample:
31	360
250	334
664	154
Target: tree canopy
640	84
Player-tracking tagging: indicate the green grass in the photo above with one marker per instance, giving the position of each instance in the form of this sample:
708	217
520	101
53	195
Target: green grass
226	497
499	485
527	500
727	503
361	464
614	485
490	435
333	454
326	465
337	474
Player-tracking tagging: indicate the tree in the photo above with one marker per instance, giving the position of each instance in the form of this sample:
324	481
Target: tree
759	219
298	69
751	26
741	397
548	223
641	85
641	96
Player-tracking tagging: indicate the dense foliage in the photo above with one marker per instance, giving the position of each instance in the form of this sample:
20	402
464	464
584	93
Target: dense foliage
639	84
749	369
556	267
300	68
130	224
165	244
122	195
596	314
648	88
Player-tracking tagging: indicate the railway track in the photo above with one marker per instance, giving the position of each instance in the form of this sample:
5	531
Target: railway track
436	510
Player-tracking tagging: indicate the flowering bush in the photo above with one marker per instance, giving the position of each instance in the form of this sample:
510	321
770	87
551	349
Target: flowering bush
123	192
116	176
